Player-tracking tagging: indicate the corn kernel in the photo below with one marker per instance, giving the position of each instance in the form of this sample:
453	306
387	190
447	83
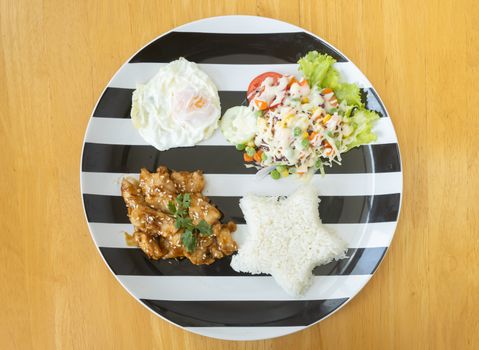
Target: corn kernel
305	100
284	173
326	118
305	135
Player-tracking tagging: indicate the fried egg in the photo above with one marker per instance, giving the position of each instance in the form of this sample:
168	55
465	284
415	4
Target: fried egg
178	107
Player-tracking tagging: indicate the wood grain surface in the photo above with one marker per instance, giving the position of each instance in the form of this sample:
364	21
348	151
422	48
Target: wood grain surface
57	56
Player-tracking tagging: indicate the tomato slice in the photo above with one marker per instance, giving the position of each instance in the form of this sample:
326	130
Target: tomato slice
256	83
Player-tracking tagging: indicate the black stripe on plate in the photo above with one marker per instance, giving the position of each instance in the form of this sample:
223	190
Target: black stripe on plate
234	48
132	261
107	158
116	102
257	313
333	209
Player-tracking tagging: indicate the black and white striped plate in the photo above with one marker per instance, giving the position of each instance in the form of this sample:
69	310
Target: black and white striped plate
360	200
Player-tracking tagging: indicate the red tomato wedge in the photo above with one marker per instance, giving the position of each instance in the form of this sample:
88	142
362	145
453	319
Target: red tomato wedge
256	83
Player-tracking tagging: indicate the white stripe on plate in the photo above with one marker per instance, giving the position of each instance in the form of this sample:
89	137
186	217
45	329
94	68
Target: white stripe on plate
119	131
238	24
228	185
228	77
231	288
371	235
244	333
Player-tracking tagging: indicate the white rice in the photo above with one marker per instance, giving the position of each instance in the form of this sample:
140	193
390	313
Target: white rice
286	239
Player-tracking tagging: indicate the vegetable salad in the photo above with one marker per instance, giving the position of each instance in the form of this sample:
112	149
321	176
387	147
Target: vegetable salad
301	125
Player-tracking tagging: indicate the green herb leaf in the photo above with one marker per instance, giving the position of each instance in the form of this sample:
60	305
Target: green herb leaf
184	223
186	200
189	240
180	212
179	222
179	199
172	207
188	224
204	228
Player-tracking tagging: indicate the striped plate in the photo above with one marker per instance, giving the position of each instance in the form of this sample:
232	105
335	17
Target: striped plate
360	200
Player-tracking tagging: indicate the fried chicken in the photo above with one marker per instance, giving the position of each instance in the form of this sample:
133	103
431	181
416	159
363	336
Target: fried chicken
149	202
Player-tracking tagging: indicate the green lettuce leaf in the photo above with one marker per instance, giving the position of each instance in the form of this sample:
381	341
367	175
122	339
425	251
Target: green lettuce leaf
318	68
361	125
349	93
331	79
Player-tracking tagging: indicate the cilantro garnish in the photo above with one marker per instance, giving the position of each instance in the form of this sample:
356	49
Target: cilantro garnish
183	221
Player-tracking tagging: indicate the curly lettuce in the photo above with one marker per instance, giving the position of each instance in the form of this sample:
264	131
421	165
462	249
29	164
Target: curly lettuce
319	70
350	93
360	125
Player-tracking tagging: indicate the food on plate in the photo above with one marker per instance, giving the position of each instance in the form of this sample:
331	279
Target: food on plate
302	125
178	107
173	219
238	124
286	239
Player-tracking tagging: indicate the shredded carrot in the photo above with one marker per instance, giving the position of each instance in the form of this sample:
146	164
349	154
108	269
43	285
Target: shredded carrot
316	117
303	82
291	82
312	135
257	156
262	105
247	158
326	91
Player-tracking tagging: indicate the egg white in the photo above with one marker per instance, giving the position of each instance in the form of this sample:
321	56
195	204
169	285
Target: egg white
178	107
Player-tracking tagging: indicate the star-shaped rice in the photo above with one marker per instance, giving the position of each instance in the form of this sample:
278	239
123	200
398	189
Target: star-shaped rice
286	239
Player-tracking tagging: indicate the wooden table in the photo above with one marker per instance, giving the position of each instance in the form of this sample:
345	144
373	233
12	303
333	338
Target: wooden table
57	56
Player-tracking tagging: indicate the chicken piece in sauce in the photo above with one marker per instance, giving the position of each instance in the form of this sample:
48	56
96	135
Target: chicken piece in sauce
148	202
187	182
202	209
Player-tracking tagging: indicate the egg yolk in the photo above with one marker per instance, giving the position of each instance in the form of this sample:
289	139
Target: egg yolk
198	102
188	106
